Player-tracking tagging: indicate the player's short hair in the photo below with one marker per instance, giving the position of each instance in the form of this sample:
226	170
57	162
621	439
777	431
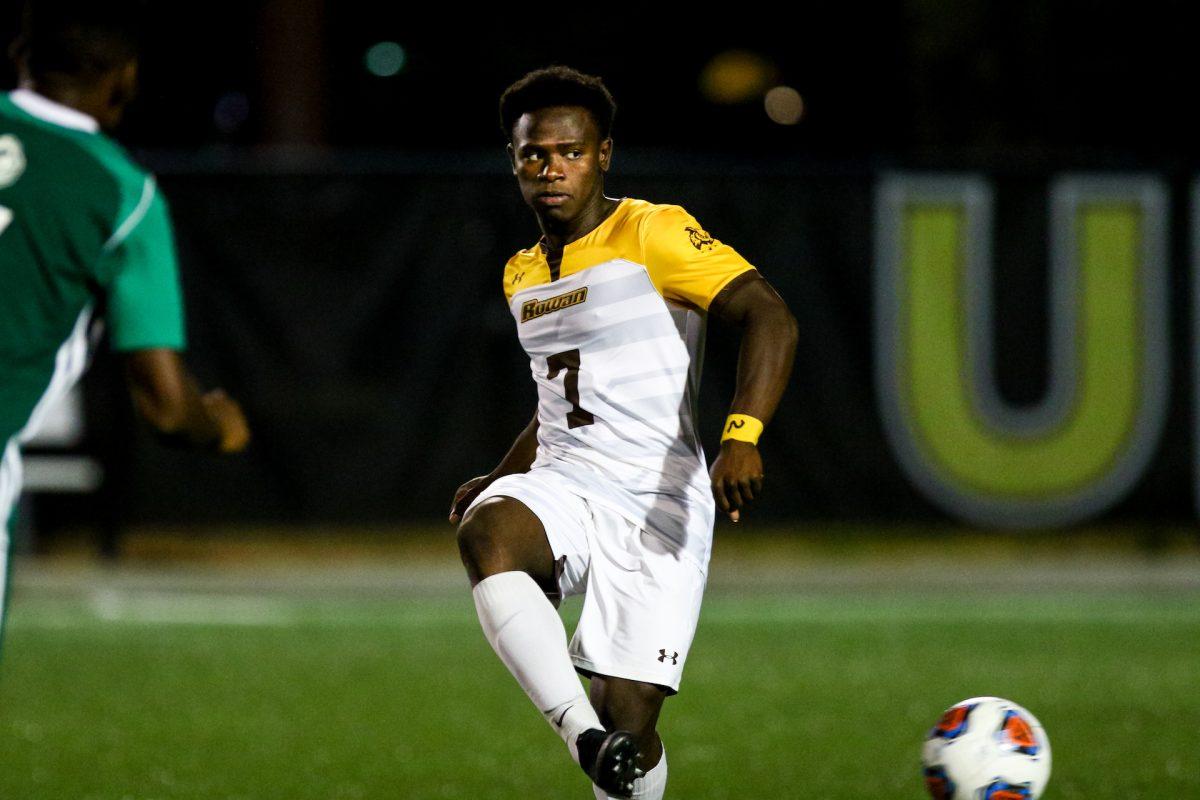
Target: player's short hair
557	86
81	39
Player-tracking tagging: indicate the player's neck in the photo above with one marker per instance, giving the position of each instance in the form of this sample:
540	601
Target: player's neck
557	234
66	94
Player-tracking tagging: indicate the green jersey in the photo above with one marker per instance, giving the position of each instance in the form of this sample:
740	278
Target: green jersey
83	231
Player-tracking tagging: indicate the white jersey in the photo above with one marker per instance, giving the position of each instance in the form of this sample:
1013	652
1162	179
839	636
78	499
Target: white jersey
615	337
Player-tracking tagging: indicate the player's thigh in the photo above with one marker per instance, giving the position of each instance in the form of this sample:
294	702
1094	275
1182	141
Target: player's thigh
532	522
502	534
642	605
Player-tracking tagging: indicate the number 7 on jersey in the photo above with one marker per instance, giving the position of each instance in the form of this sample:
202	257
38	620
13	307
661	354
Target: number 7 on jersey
568	360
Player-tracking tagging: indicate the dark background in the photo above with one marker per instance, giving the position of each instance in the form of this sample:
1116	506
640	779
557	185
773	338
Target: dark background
921	77
342	234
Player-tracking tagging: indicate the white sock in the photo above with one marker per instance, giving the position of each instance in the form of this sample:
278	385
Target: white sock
648	787
526	632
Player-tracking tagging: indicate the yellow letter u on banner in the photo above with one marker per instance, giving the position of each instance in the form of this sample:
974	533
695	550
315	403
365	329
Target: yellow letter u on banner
1085	444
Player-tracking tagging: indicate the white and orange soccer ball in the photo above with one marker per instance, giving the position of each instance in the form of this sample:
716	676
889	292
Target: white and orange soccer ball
986	748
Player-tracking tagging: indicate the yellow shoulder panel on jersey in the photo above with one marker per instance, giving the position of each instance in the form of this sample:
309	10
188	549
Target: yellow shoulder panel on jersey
684	262
687	264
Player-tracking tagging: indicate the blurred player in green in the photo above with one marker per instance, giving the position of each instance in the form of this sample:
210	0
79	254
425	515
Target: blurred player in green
85	235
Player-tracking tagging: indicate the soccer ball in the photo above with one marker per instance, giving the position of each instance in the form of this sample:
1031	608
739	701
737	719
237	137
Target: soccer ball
986	748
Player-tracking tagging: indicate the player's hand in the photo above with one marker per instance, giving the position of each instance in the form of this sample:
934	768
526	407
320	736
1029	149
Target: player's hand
465	494
737	477
233	430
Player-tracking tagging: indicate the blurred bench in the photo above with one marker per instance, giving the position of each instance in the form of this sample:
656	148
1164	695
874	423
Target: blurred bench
52	464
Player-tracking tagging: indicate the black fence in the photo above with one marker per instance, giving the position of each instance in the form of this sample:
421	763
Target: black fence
356	310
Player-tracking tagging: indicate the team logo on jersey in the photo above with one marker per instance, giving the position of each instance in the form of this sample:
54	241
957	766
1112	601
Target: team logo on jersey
700	238
12	160
532	309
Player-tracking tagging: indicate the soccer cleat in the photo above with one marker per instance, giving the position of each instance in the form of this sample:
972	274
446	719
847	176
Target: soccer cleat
610	760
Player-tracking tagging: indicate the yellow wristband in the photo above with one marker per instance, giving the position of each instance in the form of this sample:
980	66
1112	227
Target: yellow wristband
742	427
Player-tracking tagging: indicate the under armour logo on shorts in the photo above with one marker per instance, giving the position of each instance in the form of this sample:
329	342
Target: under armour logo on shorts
662	656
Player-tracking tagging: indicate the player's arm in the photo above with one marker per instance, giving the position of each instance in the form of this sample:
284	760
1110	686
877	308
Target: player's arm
145	316
769	335
696	269
519	458
168	397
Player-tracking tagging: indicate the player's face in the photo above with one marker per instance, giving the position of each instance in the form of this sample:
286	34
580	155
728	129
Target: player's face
559	160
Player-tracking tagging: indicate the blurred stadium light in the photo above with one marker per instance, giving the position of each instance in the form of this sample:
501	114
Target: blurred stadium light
385	59
736	76
784	105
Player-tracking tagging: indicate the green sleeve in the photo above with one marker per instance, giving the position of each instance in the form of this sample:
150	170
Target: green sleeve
145	303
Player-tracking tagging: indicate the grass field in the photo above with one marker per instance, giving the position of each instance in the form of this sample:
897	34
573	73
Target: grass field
814	675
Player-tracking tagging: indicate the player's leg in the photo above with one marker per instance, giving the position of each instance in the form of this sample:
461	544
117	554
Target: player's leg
5	574
10	490
638	621
634	706
512	567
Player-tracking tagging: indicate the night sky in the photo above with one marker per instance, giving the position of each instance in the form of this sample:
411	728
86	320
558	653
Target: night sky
912	78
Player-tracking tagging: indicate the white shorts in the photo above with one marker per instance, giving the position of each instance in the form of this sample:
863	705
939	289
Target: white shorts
641	595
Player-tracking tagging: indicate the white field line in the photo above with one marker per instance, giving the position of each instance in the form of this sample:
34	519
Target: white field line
163	608
883	615
113	606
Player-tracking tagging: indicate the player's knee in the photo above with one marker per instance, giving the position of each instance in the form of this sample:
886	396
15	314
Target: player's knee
644	730
503	535
475	543
646	736
480	539
635	709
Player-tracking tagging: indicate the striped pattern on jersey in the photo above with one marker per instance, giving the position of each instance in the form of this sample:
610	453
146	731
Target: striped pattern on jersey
615	347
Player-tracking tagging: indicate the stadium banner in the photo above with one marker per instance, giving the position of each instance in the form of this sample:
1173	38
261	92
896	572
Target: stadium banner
1086	442
1007	348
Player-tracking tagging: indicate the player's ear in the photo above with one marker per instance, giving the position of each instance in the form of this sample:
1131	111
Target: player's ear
606	149
512	157
18	52
124	87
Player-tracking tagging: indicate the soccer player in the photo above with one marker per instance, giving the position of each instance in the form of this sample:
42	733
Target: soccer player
85	232
606	492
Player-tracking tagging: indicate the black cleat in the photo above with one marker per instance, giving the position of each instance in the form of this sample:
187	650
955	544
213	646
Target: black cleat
609	759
